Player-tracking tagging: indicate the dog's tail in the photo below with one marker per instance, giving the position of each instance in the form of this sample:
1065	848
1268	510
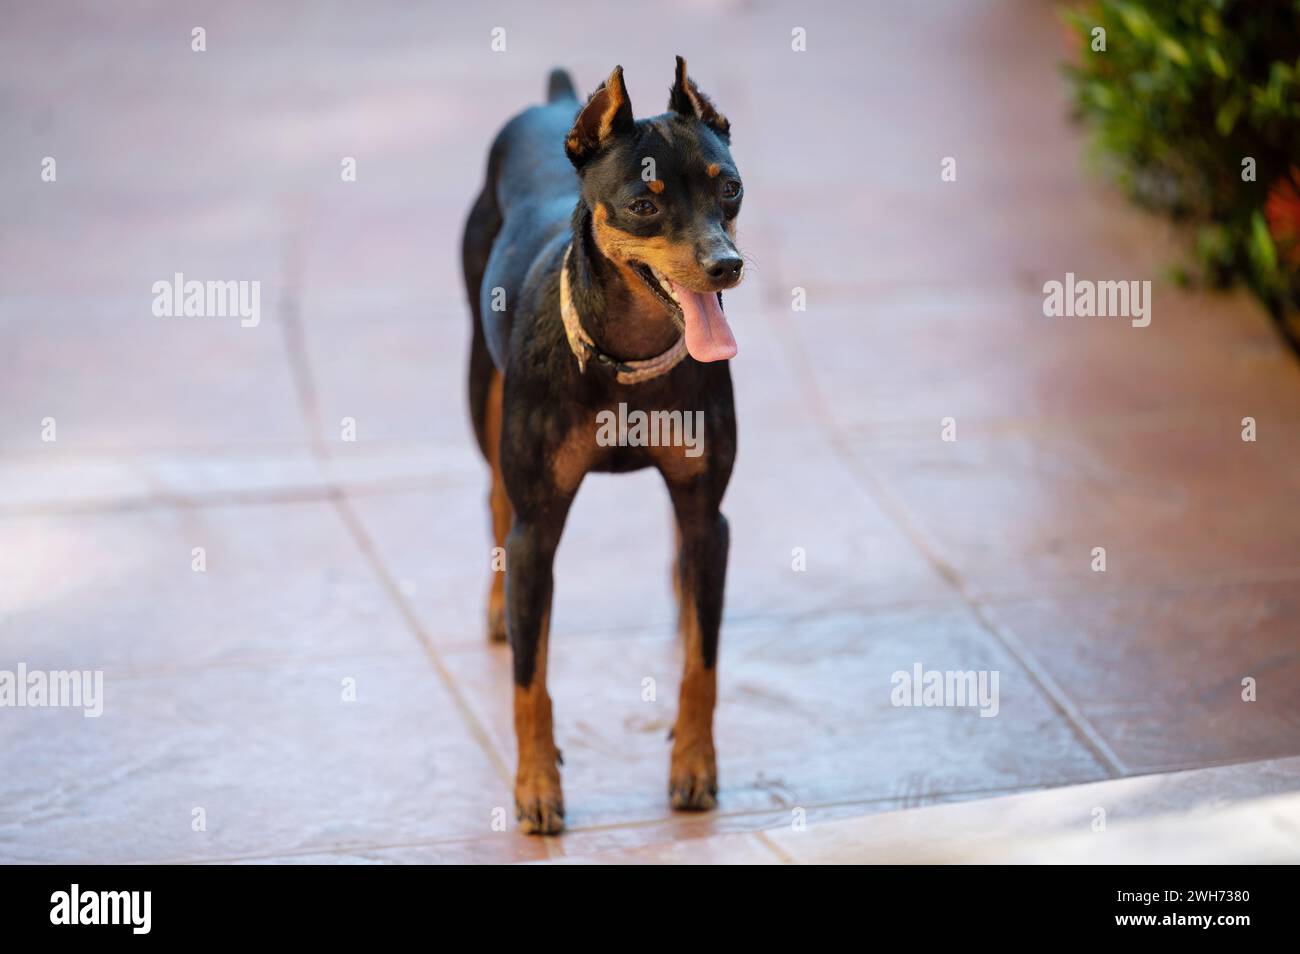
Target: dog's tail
559	85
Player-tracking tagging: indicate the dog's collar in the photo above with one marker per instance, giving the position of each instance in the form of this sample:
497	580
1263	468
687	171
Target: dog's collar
584	349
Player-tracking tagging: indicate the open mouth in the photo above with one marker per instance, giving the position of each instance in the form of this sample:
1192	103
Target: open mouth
662	287
698	314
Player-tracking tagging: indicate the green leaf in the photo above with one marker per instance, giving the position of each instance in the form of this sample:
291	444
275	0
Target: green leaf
1136	20
1174	51
1215	59
1262	248
1226	117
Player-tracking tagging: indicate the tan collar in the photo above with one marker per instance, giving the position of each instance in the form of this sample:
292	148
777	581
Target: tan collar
583	348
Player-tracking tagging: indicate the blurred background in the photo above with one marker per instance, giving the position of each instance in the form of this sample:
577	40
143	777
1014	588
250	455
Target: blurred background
328	560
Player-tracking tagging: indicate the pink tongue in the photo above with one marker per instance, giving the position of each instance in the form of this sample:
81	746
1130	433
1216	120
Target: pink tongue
708	336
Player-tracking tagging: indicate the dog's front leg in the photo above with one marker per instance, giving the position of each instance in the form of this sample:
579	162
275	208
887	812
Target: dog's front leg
530	553
702	556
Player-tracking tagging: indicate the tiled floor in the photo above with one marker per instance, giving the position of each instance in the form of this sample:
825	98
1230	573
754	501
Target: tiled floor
334	565
1239	814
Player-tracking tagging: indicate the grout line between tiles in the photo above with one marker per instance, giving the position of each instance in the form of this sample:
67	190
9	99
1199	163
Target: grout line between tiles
774	848
295	336
472	722
898	513
944	798
1080	723
298	493
300	366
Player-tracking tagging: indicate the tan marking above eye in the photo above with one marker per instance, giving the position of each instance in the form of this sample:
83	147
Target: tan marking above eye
655	185
713	170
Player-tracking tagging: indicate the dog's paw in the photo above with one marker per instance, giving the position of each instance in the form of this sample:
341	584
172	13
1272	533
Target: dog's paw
539	803
693	780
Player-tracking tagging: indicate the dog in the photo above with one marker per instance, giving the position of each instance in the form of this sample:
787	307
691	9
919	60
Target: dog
595	259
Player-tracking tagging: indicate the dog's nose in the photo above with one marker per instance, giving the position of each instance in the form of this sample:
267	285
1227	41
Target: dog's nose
724	269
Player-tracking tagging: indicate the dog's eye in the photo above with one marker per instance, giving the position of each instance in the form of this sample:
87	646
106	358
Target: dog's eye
731	189
642	207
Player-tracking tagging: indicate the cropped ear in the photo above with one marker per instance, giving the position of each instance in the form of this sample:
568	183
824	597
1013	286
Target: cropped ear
608	113
687	99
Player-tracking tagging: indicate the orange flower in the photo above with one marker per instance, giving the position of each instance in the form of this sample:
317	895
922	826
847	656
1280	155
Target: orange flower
1283	213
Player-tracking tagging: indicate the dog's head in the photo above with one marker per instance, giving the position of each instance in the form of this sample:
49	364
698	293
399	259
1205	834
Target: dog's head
664	194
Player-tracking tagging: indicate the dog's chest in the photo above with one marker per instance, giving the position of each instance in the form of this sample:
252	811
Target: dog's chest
627	437
622	438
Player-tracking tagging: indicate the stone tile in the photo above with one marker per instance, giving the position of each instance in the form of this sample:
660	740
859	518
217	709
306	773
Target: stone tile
738	849
117	591
1174	504
804	717
437	546
682	828
687	828
1242	813
988	358
1258	832
235	473
1160	674
113	376
67	482
63	481
274	757
377	466
398	371
499	848
35	480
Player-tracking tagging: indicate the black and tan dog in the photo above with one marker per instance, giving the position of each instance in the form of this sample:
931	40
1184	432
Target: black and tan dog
591	290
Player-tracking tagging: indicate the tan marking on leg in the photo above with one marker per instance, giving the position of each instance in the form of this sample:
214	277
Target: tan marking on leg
676	466
499	503
693	775
573	458
539	800
676	573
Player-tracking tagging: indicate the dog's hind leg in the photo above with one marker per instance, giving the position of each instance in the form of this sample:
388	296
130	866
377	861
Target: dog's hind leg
485	393
702	556
499	503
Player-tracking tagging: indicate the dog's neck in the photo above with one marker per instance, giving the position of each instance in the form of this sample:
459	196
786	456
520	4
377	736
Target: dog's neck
622	316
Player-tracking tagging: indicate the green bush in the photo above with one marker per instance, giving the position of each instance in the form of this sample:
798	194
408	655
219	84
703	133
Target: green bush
1183	93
